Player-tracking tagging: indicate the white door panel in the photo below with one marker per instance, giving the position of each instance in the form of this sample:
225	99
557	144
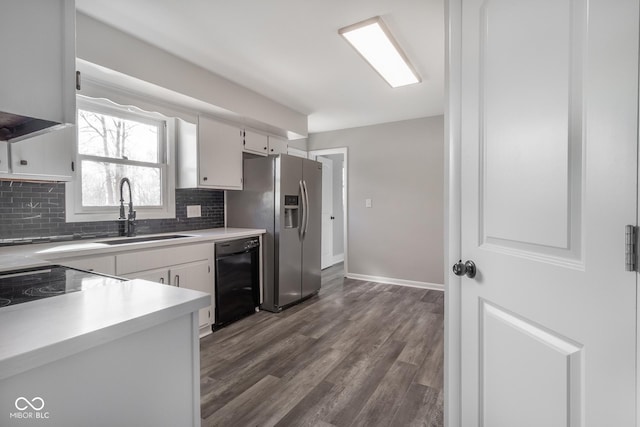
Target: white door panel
327	211
549	163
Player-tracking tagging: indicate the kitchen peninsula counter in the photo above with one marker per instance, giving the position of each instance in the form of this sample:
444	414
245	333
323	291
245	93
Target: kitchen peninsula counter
118	352
126	353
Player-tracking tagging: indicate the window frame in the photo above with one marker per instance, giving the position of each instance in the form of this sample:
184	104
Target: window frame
75	212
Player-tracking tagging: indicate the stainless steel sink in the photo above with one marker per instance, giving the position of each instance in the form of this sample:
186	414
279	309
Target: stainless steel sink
127	240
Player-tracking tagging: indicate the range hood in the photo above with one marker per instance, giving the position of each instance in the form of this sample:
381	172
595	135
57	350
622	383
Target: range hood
14	126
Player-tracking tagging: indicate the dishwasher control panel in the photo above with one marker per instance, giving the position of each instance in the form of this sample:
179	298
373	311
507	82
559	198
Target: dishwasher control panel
237	246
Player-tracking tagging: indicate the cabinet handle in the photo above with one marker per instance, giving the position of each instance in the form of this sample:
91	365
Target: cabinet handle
177	280
78	80
205	178
265	148
162	280
23	163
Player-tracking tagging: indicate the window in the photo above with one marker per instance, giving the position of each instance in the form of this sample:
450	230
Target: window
116	142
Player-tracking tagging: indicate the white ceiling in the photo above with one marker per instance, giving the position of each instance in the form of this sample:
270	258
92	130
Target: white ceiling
290	51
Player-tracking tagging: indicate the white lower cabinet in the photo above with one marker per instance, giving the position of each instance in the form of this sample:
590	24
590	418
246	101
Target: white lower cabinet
194	275
188	266
161	275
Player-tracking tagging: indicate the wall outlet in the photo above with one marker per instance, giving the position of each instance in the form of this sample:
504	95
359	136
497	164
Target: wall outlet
194	211
367	203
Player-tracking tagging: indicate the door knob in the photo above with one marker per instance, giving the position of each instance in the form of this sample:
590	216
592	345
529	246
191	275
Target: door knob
468	268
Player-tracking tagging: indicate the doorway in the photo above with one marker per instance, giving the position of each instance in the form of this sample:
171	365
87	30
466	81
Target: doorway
334	209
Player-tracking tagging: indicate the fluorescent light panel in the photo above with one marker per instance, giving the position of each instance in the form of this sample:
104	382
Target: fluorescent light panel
372	40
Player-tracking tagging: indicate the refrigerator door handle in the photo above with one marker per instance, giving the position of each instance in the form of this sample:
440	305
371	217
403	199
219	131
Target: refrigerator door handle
306	209
303	221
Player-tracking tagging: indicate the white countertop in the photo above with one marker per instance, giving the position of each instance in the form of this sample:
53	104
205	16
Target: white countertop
12	257
39	332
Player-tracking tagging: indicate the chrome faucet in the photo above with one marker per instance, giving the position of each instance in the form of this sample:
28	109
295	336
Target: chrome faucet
130	220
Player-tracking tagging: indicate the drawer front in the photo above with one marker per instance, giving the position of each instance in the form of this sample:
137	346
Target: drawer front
160	275
150	259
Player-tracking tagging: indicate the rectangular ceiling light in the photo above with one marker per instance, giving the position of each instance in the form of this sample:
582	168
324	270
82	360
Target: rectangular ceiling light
372	40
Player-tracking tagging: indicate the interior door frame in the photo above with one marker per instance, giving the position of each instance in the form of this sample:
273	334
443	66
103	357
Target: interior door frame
345	205
452	214
328	262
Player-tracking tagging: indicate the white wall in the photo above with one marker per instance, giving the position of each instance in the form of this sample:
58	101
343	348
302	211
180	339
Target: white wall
299	144
108	47
400	166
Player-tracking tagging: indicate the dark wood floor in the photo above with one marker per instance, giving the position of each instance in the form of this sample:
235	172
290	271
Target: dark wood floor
358	354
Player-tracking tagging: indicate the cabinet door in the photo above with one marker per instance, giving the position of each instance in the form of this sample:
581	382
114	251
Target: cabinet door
220	155
48	156
160	275
101	264
37	77
197	276
277	145
255	143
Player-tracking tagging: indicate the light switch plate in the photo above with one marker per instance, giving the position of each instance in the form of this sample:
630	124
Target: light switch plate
194	211
367	203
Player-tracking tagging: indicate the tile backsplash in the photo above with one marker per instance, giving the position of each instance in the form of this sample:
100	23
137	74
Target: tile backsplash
37	210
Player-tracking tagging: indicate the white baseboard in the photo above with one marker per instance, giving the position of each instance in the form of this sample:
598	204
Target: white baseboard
399	282
337	258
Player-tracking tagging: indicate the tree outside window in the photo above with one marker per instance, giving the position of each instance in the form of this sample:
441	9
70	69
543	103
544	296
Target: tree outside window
112	146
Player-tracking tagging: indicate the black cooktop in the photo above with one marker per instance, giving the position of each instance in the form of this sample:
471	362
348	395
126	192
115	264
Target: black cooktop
25	285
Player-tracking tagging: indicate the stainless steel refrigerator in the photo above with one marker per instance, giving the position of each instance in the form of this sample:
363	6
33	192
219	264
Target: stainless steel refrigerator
282	194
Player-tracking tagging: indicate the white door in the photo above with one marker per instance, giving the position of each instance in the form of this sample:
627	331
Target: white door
326	259
549	161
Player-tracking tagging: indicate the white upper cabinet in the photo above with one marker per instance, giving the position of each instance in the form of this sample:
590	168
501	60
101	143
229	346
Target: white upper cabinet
45	157
220	155
37	76
255	143
278	145
209	155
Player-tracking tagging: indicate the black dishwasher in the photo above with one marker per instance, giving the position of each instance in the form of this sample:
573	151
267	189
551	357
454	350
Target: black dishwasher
237	280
